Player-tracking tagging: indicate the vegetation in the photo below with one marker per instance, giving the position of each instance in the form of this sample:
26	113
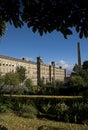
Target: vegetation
16	109
13	122
46	16
2	27
85	65
21	72
71	109
31	89
11	79
17	83
66	109
78	82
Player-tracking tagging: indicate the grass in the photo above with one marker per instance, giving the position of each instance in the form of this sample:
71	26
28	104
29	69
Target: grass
13	122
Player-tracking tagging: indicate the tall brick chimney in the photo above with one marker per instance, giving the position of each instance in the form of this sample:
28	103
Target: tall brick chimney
79	55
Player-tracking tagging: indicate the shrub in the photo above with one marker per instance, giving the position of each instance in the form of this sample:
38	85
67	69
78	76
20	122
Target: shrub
59	111
78	113
28	111
82	112
4	109
73	113
45	107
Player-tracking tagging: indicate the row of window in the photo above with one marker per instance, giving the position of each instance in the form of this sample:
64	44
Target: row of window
14	65
3	64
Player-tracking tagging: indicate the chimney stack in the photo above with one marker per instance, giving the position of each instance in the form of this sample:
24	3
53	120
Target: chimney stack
79	55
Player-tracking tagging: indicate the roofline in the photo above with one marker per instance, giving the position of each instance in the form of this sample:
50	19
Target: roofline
16	59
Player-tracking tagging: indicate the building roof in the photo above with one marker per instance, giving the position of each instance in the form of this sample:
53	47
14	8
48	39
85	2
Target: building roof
16	59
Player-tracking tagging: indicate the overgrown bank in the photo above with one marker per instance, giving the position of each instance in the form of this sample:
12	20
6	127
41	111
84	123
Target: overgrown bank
65	109
13	122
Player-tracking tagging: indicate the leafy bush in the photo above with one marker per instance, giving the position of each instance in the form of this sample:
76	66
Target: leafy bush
28	111
4	109
59	111
78	113
45	107
67	109
83	110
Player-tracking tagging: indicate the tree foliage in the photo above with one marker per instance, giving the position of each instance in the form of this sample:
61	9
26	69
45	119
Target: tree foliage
77	69
85	65
21	72
2	27
29	84
11	79
1	79
82	71
46	15
76	81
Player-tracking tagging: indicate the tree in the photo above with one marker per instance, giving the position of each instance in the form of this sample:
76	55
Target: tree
41	83
85	65
77	69
21	72
85	72
82	71
11	79
29	84
2	27
1	82
76	81
47	15
74	86
11	84
1	79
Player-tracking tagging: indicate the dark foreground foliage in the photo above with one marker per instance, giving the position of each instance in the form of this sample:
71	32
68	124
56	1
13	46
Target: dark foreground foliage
69	109
46	15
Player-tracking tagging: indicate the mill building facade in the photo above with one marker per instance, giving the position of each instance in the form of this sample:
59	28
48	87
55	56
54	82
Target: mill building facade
36	71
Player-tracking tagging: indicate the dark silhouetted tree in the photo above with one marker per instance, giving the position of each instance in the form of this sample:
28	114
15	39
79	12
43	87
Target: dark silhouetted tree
46	15
85	65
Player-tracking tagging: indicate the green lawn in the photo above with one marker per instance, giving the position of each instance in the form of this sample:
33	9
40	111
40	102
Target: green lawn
13	122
